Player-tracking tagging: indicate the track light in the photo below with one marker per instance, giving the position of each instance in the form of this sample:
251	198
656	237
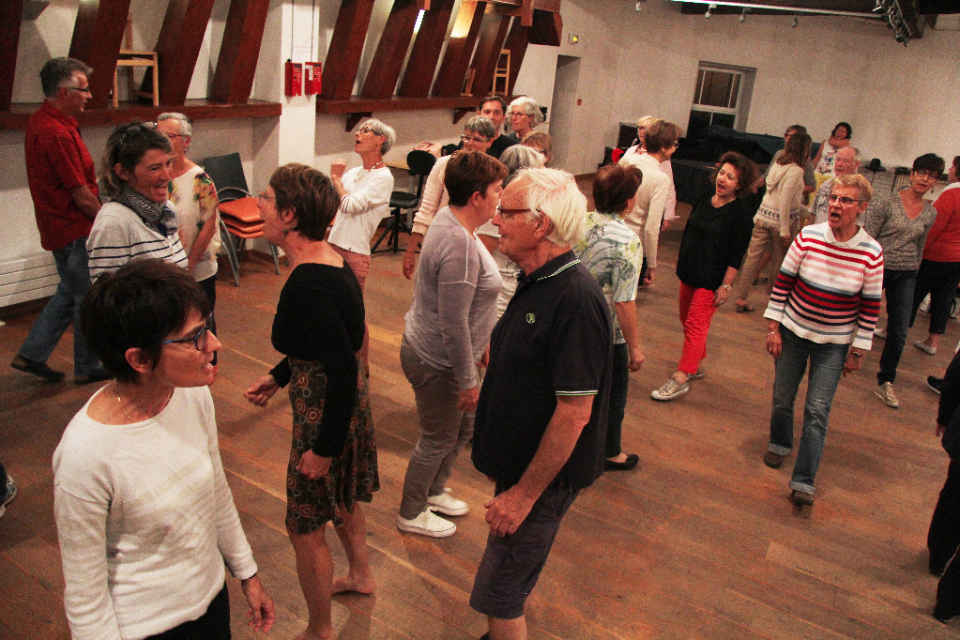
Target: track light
796	22
709	12
743	16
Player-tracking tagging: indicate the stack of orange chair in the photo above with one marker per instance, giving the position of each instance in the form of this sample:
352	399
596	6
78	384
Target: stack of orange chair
242	217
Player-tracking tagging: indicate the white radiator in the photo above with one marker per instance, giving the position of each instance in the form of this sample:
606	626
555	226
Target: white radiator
27	279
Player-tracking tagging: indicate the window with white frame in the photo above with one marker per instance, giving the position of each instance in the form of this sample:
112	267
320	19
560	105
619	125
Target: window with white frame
718	98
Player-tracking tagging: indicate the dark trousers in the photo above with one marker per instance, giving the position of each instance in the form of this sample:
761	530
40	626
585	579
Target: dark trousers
209	287
212	625
619	383
898	286
943	540
940	280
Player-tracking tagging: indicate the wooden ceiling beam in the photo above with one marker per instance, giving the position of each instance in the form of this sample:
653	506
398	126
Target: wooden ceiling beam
426	50
546	29
10	12
456	60
385	68
178	48
346	47
97	35
237	64
492	35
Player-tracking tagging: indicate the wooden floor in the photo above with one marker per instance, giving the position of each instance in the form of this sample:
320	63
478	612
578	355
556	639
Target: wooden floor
701	542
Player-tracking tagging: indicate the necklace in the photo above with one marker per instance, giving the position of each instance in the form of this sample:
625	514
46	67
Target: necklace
116	392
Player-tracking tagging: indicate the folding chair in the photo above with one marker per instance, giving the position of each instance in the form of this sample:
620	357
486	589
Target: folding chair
239	214
420	164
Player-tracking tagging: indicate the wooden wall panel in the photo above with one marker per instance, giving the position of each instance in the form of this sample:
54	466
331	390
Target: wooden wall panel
456	59
97	35
517	44
492	35
10	11
346	49
426	50
384	71
178	48
237	64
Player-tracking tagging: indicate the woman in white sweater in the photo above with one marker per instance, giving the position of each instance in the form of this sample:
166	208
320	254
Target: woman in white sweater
145	518
777	221
364	201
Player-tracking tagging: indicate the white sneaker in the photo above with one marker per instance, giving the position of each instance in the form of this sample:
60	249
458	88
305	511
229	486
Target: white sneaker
923	346
447	504
670	390
427	524
885	391
696	376
11	494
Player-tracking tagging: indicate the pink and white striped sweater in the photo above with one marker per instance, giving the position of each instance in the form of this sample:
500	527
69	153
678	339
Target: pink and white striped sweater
828	291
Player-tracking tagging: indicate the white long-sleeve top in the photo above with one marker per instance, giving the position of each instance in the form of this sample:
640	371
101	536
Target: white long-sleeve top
367	202
670	208
145	520
434	197
647	214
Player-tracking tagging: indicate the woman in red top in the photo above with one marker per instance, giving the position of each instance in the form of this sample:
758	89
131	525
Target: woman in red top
939	273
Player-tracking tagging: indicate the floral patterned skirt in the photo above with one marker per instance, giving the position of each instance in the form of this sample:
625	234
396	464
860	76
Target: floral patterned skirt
353	475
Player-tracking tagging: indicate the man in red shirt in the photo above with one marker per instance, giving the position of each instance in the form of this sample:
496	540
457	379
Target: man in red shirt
63	185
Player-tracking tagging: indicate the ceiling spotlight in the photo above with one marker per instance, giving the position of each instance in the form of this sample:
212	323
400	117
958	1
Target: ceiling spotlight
709	12
796	22
743	16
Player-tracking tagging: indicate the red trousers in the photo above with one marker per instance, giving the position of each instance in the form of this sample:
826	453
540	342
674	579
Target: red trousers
696	311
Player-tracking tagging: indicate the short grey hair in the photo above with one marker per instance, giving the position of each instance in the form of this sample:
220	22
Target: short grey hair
186	124
530	107
482	125
59	70
555	194
381	129
856	154
521	157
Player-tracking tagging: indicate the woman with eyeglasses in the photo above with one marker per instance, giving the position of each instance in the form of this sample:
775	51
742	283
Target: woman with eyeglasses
524	114
478	135
822	311
364	201
139	222
939	273
194	198
145	517
319	328
900	222
445	338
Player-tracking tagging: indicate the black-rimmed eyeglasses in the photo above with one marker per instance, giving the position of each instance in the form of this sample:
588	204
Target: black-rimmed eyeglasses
199	341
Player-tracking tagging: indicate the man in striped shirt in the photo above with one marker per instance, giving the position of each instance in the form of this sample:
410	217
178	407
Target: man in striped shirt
823	308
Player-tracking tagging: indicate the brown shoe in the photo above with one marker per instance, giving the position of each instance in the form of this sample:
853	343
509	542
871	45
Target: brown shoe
773	460
802	499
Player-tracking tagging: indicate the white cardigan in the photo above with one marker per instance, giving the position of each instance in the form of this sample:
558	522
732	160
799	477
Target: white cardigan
145	520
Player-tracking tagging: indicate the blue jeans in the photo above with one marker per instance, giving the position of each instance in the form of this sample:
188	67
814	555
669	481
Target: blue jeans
619	383
899	286
62	309
826	366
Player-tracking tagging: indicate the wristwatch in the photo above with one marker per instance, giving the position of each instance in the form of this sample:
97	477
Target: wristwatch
727	287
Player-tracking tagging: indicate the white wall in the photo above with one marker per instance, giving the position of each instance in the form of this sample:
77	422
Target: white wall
828	69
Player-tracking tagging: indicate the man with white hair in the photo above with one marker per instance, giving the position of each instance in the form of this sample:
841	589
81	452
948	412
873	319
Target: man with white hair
541	418
846	163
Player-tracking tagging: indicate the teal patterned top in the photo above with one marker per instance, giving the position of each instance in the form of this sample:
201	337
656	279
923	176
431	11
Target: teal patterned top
613	254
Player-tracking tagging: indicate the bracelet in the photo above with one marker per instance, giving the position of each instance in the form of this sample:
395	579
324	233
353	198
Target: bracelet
856	355
774	333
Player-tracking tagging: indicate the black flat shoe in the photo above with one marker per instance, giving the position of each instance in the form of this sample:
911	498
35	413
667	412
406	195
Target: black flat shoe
627	465
39	369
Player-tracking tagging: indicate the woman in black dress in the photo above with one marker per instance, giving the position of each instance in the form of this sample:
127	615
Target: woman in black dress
319	327
714	241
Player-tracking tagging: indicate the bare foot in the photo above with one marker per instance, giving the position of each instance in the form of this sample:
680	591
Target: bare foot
348	584
620	458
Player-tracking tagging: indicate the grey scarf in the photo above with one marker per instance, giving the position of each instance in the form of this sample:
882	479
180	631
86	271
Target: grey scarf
157	216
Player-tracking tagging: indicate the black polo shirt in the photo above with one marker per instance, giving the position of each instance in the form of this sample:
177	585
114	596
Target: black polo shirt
554	339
